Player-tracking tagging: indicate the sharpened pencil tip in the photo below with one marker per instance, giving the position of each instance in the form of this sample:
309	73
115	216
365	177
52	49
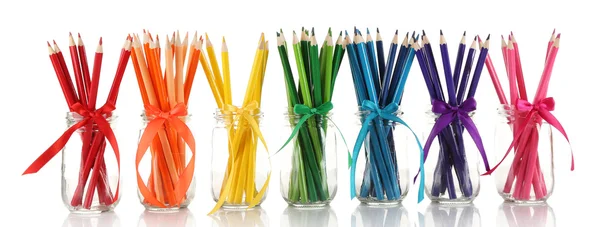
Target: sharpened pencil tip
277	34
313	31
476	38
48	43
100	42
553	31
368	32
488	38
377	29
441	33
54	41
424	33
396	32
340	33
558	36
465	33
346	32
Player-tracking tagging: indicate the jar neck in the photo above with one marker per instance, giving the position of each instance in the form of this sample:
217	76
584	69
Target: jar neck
74	117
232	117
147	118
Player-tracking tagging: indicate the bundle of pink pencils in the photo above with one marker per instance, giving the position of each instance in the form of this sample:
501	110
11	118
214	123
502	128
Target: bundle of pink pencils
90	122
526	179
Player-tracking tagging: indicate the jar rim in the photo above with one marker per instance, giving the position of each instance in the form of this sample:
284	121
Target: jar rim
74	116
220	113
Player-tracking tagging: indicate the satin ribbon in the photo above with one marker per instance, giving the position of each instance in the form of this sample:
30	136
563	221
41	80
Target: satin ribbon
97	117
248	113
307	113
387	113
157	122
542	108
450	113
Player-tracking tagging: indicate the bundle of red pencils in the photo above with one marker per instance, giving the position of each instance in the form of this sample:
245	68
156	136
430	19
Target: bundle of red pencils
91	123
529	176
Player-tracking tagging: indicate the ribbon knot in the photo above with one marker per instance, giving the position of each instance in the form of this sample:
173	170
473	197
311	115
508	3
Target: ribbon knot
387	113
448	114
541	108
158	119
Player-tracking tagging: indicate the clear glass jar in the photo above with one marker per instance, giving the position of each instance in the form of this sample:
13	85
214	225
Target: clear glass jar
535	182
106	219
248	168
384	216
301	217
180	218
382	171
309	175
253	217
89	169
452	166
451	215
165	160
525	215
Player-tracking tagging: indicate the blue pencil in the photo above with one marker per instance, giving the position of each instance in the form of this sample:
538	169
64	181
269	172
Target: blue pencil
389	68
459	60
380	56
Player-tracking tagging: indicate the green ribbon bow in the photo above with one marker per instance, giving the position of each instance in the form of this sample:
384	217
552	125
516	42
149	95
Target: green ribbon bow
307	113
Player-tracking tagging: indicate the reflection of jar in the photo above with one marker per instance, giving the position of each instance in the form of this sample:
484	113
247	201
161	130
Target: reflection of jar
382	175
309	169
106	219
249	166
527	173
89	169
299	217
452	215
525	215
384	216
164	167
179	218
252	217
452	166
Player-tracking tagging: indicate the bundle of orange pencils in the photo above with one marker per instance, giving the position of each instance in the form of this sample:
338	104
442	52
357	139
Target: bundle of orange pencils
165	95
91	190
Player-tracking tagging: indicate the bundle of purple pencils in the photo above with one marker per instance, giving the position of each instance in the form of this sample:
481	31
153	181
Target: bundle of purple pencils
452	174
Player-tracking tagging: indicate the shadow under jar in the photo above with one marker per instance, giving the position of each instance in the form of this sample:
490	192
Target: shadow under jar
527	173
452	165
164	168
238	156
309	170
89	180
382	176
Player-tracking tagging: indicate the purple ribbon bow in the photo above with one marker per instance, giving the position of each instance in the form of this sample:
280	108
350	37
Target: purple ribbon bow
450	113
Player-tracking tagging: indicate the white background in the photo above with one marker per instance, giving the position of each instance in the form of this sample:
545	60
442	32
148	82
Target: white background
33	107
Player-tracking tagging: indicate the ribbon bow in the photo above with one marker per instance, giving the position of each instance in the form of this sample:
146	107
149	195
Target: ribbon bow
98	117
158	119
307	113
541	108
447	115
246	112
386	113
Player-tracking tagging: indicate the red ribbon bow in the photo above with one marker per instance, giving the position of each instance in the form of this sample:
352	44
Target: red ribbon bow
541	108
98	117
158	119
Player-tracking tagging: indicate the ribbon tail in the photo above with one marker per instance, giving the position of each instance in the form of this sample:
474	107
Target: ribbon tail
294	132
105	128
421	195
147	136
185	179
441	123
472	129
512	144
551	119
344	140
263	189
56	147
359	141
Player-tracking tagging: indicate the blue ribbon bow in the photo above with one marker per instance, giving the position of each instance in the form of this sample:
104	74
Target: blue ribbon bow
386	113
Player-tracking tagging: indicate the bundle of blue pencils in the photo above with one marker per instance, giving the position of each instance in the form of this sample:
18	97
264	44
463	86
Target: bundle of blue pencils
379	82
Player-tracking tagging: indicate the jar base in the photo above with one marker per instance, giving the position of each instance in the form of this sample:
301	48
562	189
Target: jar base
164	209
456	201
309	205
510	199
91	211
377	203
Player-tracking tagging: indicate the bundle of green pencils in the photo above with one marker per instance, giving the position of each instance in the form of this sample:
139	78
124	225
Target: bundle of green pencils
310	101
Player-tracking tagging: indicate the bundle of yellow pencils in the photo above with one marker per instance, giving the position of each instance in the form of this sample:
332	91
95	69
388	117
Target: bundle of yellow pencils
165	95
238	187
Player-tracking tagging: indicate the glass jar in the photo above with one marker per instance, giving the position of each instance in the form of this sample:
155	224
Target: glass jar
382	172
301	217
164	167
89	169
309	170
384	216
248	169
452	215
527	173
180	218
452	166
525	215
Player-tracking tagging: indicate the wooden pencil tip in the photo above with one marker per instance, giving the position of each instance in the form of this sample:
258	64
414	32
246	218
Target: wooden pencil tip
553	31
558	36
100	43
54	41
441	33
312	31
340	33
397	33
377	29
488	37
368	32
48	43
70	34
477	38
424	33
